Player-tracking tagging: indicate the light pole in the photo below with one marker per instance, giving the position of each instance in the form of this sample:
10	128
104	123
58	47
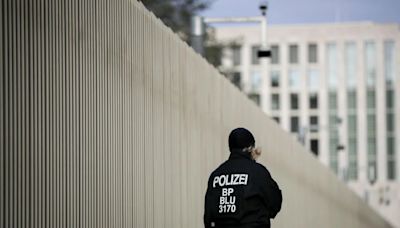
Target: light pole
197	34
198	29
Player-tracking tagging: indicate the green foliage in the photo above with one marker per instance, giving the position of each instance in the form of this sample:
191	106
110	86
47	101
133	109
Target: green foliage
213	54
176	14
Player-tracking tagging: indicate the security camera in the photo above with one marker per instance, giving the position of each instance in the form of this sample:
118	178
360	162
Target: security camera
263	7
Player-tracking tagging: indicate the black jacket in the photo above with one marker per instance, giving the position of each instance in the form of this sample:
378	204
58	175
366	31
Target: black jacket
241	193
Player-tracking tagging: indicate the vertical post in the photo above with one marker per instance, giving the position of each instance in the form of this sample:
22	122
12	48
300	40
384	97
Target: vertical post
265	94
264	33
197	34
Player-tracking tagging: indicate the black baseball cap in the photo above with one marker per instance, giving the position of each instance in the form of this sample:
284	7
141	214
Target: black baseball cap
240	138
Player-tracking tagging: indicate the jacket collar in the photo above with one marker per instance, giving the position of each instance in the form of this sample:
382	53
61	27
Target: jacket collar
239	154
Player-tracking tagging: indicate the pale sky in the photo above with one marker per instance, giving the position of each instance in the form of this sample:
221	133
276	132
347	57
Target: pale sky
310	11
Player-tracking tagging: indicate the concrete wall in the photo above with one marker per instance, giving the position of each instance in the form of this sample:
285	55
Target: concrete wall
109	120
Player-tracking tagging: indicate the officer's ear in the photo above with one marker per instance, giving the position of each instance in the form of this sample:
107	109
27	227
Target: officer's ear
255	153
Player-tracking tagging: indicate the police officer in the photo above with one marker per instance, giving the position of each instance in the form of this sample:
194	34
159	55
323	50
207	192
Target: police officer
241	192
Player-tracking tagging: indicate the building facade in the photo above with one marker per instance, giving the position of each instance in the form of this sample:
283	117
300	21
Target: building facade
335	87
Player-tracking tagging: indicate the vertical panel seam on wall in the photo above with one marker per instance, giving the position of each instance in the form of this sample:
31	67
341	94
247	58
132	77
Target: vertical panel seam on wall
5	15
2	116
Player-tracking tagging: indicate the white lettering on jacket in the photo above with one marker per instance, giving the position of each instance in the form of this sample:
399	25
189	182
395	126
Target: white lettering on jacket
230	179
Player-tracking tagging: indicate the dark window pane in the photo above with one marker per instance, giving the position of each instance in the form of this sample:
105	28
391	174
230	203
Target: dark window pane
371	148
274	54
312	53
391	170
390	146
372	172
274	78
275	102
352	173
294	124
390	98
352	148
294	101
332	101
352	125
276	119
389	55
351	99
390	122
236	55
314	123
254	58
293	54
313	101
371	125
314	145
371	99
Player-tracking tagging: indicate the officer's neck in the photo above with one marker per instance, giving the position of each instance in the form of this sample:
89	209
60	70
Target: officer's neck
239	153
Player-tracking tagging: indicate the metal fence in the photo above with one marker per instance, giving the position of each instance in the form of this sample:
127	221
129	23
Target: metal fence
109	120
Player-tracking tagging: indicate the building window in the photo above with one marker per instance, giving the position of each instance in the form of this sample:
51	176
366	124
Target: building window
255	97
389	49
332	66
352	146
255	80
274	54
352	126
391	158
235	78
313	80
392	169
254	55
352	150
350	74
276	119
333	153
236	50
294	79
372	172
275	102
314	124
294	101
333	130
390	99
389	70
371	124
274	78
314	146
312	53
371	99
390	141
371	130
352	173
332	101
370	63
293	54
294	124
313	101
371	146
351	99
351	64
390	123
